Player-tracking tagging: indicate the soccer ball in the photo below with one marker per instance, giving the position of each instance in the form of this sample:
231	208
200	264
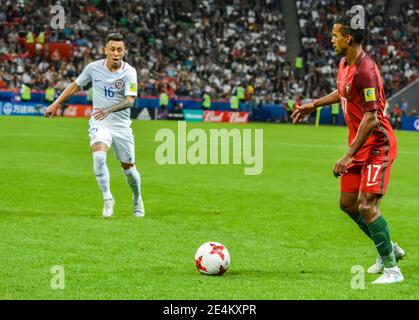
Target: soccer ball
212	258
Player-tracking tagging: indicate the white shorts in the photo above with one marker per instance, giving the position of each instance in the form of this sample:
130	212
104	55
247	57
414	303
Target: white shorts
122	141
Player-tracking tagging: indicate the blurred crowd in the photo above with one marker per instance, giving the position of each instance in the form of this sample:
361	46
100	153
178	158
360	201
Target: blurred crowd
189	47
391	41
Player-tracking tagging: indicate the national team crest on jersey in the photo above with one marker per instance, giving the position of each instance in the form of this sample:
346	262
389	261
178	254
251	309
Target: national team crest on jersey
119	84
369	94
348	88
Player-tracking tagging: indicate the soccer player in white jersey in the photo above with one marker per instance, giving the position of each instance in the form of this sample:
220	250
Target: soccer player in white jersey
114	85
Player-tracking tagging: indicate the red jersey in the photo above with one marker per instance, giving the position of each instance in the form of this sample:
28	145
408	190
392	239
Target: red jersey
361	90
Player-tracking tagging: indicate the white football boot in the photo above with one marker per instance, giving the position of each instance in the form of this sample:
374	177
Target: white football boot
390	275
378	266
139	211
108	205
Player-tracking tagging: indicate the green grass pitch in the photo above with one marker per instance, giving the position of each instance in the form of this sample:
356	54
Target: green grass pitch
284	230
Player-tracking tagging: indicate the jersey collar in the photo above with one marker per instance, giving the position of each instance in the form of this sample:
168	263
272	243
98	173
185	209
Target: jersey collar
120	68
360	57
358	60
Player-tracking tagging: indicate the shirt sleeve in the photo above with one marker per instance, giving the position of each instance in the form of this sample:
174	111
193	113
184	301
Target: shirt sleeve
131	83
368	87
85	77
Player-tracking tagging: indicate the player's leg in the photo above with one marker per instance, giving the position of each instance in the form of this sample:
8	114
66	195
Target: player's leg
134	181
374	182
349	198
125	152
349	187
399	254
100	142
349	204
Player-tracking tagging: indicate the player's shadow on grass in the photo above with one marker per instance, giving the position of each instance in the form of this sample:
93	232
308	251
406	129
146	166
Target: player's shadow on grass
274	273
262	274
89	214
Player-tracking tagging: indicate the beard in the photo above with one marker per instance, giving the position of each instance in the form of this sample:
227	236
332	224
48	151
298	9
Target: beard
116	63
342	53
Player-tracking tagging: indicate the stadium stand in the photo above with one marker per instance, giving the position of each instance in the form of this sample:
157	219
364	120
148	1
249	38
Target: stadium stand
189	47
391	41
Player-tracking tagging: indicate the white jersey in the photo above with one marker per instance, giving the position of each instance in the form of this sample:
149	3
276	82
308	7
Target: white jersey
110	88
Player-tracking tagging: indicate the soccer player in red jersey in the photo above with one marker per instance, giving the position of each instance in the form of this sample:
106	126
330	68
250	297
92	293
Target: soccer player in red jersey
365	167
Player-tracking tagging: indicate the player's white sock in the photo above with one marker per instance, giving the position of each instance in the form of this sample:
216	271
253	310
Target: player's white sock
102	173
134	181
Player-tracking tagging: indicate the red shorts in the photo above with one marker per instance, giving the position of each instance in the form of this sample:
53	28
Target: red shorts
368	177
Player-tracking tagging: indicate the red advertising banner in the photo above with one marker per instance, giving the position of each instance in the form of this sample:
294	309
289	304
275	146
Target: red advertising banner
226	116
78	110
52	50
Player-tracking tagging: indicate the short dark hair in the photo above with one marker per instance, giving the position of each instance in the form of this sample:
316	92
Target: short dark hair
115	36
357	34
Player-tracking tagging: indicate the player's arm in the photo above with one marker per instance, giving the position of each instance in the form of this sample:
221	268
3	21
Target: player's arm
367	85
100	114
67	93
366	127
301	111
83	79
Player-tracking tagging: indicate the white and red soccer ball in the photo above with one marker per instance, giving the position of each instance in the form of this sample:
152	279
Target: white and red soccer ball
212	258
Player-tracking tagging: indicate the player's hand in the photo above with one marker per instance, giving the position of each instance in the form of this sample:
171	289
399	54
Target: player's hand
300	112
100	114
51	110
341	166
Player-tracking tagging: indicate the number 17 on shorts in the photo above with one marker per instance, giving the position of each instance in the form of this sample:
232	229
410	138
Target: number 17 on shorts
375	177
